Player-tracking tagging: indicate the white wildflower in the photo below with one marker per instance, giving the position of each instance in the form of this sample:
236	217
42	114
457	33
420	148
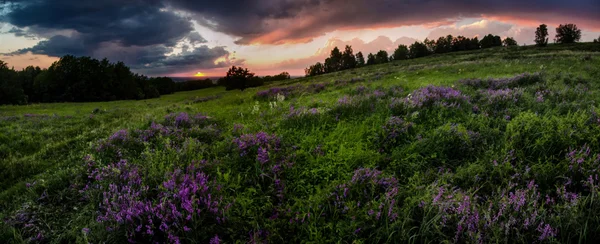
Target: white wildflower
256	108
280	97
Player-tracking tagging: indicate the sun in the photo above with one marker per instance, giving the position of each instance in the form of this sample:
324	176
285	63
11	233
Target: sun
199	74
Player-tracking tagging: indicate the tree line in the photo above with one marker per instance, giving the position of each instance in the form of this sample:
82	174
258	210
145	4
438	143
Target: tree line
337	60
85	79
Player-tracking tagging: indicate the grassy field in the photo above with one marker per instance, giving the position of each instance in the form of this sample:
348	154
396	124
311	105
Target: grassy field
497	145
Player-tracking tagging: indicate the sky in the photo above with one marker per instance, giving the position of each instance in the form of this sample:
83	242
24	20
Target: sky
183	37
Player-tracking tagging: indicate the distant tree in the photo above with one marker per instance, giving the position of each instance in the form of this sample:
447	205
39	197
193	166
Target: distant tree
360	59
381	57
431	45
371	59
474	44
316	69
444	44
417	50
27	78
568	33
509	41
348	58
279	77
597	40
164	85
460	43
401	53
238	78
541	36
491	41
11	91
334	62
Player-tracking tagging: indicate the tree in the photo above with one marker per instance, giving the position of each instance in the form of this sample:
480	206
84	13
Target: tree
597	40
418	50
431	45
474	44
164	85
27	78
11	91
509	41
348	58
334	62
568	33
401	52
371	59
316	69
360	59
541	36
491	41
381	57
461	43
444	44
238	78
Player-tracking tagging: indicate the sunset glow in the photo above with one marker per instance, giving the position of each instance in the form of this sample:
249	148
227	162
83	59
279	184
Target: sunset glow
245	36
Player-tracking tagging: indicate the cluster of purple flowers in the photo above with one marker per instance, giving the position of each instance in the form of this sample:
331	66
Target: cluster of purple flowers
519	80
266	150
395	130
184	120
429	96
503	96
301	112
176	126
539	95
27	221
514	211
369	195
182	203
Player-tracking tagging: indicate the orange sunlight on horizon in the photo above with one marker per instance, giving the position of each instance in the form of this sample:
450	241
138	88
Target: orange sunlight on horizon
199	74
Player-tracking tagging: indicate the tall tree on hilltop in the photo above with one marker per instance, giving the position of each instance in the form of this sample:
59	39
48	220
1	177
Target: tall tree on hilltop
442	45
371	59
348	58
334	62
541	36
509	41
316	69
568	33
238	78
381	57
491	41
401	53
431	45
417	50
360	59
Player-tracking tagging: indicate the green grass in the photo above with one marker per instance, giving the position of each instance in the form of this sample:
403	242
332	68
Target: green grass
327	149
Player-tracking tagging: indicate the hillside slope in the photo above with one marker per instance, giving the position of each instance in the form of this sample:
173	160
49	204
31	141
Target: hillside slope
491	145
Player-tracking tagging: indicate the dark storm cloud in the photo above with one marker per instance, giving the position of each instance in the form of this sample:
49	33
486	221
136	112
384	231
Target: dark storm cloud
142	29
20	33
276	22
59	45
127	22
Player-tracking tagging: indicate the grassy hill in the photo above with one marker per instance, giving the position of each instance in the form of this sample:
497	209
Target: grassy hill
493	145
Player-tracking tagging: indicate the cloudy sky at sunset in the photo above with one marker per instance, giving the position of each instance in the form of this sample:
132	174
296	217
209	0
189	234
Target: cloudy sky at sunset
183	37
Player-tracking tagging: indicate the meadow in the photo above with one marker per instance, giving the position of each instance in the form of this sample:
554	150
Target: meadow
495	145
